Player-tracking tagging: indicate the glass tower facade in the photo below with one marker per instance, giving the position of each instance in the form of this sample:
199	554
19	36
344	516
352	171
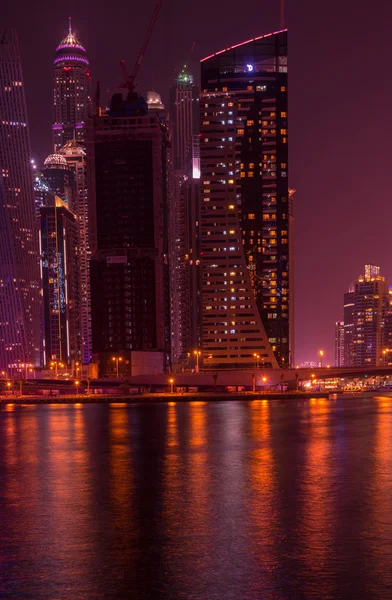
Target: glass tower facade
245	206
71	91
19	262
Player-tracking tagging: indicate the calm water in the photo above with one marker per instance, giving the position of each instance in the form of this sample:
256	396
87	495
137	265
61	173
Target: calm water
259	500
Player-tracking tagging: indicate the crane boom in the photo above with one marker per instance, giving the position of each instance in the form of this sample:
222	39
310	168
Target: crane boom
130	79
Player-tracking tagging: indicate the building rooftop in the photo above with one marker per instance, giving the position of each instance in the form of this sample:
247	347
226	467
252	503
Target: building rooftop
70	41
260	37
55	160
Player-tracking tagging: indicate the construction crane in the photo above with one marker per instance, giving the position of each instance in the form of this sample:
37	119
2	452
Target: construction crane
130	80
182	70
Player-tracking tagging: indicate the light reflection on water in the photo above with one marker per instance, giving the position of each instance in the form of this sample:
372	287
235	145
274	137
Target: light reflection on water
242	500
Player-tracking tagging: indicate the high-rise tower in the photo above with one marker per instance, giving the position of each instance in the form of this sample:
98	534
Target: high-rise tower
184	115
128	160
19	263
71	91
246	208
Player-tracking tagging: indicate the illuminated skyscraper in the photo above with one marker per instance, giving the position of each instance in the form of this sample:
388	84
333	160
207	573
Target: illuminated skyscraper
71	91
246	207
59	268
339	344
348	313
184	115
19	263
371	304
75	156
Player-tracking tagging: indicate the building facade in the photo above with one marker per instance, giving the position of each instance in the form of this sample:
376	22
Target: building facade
246	209
371	303
71	91
128	161
339	344
59	268
75	157
19	262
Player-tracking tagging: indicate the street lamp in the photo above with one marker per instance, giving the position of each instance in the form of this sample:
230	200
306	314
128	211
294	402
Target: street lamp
321	353
77	383
257	356
385	353
117	359
197	353
171	381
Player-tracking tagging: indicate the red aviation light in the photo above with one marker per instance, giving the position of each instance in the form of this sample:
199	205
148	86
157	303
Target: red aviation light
66	68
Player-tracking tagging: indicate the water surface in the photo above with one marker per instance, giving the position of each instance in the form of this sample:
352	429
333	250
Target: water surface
230	500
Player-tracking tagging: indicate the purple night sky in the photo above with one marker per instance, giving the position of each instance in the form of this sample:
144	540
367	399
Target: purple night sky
340	115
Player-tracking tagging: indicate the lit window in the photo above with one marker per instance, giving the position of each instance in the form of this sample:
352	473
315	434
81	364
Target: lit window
283	88
283	114
250	123
251	216
240	132
251	174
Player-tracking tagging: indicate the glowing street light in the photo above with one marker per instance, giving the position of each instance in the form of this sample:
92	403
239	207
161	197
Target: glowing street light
171	381
257	356
117	359
77	383
197	353
321	353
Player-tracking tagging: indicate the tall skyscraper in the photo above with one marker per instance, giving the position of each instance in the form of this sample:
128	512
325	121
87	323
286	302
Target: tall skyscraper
246	209
128	161
348	319
59	268
184	258
184	115
75	156
19	263
71	91
371	303
339	344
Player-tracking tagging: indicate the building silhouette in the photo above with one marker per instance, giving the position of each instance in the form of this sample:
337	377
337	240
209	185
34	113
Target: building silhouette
128	166
19	262
71	91
246	208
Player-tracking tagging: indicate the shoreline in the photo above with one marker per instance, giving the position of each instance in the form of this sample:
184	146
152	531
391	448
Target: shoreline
160	398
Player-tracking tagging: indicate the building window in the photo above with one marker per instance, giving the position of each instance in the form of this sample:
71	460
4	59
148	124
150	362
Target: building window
251	216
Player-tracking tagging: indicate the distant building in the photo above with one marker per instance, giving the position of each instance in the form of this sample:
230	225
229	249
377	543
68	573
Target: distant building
184	221
128	162
19	262
348	314
246	208
339	344
75	157
184	115
371	303
59	247
60	177
71	91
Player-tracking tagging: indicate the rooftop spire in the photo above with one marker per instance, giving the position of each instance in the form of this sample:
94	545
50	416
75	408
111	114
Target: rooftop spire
70	25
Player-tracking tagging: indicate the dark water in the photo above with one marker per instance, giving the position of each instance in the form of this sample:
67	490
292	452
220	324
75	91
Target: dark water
259	500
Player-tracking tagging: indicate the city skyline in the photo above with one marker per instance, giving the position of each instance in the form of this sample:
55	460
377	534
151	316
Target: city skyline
329	189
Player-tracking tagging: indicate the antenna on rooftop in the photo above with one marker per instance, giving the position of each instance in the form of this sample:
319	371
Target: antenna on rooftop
282	14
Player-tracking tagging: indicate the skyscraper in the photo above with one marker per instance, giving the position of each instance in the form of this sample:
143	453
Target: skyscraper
339	344
71	91
19	263
75	156
246	209
128	161
371	303
184	258
184	115
59	267
348	319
